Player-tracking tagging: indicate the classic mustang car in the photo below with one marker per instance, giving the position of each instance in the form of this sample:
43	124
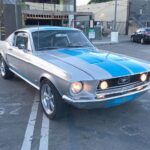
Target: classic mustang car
66	68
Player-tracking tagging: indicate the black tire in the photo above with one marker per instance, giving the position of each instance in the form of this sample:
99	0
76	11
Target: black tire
60	107
142	41
5	72
132	39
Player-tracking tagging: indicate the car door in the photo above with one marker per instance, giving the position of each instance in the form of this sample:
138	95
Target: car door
136	36
18	56
139	35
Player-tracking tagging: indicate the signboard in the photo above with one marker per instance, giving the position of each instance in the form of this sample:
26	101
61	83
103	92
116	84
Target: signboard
92	34
91	23
71	20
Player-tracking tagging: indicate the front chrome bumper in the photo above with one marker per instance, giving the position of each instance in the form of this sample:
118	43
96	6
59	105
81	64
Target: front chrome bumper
122	97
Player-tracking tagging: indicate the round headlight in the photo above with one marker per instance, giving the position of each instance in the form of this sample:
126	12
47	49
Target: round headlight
143	77
76	87
104	85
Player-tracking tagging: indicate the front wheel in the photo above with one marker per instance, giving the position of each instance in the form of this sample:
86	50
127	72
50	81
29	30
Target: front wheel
5	72
52	103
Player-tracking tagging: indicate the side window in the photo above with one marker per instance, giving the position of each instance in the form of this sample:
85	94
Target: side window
138	31
142	31
21	41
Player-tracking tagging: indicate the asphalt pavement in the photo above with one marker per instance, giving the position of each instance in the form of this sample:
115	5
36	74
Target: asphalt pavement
23	126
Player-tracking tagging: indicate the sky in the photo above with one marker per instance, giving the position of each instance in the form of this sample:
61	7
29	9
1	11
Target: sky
82	2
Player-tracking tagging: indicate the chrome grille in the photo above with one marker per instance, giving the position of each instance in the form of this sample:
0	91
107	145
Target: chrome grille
114	84
120	88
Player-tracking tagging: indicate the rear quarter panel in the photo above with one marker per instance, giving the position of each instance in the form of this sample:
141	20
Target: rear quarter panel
3	48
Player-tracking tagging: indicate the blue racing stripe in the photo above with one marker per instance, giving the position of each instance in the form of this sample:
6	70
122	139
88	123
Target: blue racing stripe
133	65
114	69
119	101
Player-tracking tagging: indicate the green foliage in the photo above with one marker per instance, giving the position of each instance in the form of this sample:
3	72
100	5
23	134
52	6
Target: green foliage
98	1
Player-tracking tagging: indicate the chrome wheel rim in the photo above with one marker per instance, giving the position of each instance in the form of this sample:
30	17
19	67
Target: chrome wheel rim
3	69
142	41
47	99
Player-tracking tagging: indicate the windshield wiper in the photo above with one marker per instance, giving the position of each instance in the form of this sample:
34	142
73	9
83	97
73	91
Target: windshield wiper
47	48
72	46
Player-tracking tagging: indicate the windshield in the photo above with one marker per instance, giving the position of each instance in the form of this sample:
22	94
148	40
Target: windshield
53	39
147	30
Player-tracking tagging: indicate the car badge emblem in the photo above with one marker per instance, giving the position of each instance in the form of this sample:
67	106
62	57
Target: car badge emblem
124	80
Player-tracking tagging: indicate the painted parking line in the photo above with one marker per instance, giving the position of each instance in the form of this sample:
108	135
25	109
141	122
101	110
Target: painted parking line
31	124
44	133
10	109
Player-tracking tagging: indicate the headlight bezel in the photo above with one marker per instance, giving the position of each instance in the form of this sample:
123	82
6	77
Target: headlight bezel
103	85
76	87
144	77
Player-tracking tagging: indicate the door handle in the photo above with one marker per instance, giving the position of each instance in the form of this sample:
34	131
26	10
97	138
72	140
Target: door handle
10	49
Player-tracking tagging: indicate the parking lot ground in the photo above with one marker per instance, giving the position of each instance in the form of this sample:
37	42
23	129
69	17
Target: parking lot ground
128	48
107	40
23	126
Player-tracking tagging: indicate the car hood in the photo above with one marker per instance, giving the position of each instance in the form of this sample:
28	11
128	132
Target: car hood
97	64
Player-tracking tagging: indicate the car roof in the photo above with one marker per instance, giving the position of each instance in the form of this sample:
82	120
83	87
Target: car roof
45	28
145	28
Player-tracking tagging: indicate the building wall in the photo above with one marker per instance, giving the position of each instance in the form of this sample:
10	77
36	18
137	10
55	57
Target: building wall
1	21
69	2
66	2
140	12
43	1
105	11
139	7
10	15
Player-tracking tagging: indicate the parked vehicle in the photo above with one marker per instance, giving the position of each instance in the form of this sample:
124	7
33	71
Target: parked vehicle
66	68
142	36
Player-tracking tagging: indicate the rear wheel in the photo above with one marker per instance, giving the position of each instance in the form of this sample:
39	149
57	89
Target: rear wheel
5	72
52	103
142	41
132	39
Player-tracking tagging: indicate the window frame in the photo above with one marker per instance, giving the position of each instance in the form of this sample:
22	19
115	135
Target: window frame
23	34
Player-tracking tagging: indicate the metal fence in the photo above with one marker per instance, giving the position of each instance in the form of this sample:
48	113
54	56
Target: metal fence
107	27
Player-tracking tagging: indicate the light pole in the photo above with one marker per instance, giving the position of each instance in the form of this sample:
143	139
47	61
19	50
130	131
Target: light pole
128	16
75	9
115	15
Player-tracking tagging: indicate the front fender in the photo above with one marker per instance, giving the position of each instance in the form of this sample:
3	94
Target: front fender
2	55
60	84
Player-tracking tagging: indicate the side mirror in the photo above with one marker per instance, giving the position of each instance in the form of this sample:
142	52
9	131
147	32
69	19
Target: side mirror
21	46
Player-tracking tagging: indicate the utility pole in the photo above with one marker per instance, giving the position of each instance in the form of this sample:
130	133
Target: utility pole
16	14
128	15
115	15
75	7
